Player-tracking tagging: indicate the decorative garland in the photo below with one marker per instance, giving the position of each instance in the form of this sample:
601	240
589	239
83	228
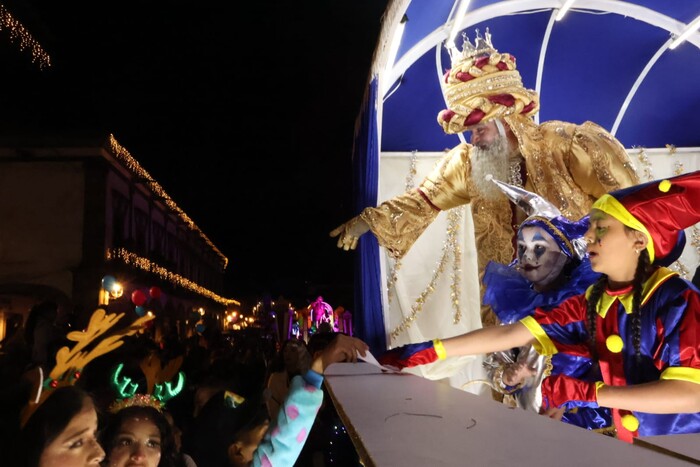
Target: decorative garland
450	246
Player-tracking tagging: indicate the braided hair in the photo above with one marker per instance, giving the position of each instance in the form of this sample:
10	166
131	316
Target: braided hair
641	274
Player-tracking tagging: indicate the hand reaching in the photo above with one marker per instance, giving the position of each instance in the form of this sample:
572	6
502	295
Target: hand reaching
517	373
349	233
342	349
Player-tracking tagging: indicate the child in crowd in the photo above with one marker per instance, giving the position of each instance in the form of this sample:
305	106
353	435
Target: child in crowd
639	320
140	435
236	431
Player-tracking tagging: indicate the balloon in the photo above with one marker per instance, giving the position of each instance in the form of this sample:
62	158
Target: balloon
199	327
138	298
108	282
154	292
140	310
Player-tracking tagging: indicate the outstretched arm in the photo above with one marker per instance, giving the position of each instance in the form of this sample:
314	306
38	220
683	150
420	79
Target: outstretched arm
491	339
664	396
481	341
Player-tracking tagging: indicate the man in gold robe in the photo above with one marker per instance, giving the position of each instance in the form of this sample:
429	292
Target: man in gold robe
568	164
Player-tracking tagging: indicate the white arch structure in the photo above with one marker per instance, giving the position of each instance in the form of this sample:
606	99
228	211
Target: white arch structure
504	8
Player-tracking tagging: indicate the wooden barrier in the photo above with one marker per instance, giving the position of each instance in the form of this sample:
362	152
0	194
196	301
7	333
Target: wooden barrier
405	420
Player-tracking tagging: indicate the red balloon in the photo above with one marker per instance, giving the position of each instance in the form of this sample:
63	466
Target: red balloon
154	292
138	298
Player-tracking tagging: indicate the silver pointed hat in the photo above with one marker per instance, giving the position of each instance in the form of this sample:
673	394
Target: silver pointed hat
531	203
569	234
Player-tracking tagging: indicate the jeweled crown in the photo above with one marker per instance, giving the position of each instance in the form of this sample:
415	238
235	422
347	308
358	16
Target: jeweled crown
482	46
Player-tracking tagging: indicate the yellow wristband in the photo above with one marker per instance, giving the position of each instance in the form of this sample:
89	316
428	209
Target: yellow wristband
598	385
439	349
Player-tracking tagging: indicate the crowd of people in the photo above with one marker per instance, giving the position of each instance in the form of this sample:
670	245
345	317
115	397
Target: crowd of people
203	401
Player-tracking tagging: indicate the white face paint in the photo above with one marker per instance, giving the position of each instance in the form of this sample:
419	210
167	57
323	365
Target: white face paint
540	259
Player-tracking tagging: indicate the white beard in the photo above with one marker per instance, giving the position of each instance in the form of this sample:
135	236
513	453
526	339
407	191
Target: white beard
493	160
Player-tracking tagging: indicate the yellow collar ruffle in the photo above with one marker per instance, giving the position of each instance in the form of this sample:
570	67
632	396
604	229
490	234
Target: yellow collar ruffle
607	299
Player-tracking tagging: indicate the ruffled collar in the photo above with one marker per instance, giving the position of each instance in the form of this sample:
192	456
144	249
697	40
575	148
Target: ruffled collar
512	298
625	295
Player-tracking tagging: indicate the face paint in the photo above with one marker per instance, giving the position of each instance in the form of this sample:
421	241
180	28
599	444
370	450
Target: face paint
540	260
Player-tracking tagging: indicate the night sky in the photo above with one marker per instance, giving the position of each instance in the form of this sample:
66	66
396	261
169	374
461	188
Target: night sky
244	112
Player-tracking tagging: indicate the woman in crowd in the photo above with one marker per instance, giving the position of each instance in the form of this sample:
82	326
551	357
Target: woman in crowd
61	432
140	435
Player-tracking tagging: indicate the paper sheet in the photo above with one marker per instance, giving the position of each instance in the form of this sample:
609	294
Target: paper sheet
369	358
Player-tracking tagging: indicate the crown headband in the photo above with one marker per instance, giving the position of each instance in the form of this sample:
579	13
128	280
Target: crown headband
71	361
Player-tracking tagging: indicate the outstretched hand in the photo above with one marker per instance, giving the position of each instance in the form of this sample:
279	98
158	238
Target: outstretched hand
517	373
349	233
342	349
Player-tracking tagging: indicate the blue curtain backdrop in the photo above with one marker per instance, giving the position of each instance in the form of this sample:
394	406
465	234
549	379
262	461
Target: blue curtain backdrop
368	318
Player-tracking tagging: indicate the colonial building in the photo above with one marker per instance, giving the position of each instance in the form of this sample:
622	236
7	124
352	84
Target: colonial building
71	215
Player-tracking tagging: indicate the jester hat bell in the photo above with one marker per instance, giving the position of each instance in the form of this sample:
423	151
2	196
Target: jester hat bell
661	209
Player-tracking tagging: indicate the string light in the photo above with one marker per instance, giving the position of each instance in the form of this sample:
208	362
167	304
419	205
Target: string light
134	167
139	262
19	34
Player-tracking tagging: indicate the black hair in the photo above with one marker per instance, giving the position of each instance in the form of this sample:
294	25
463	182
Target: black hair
168	453
640	276
48	422
219	424
277	362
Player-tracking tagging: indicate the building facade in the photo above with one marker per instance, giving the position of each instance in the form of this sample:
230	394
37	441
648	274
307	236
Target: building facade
73	214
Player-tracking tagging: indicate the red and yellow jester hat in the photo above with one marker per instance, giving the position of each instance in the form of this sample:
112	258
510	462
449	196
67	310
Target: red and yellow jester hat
660	209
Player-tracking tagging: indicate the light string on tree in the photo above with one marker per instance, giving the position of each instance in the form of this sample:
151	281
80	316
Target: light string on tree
145	264
18	33
135	168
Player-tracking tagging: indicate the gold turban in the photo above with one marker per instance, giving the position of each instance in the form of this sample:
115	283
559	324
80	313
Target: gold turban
482	85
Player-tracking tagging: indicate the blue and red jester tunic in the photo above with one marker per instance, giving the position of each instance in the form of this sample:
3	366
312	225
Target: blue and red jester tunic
670	344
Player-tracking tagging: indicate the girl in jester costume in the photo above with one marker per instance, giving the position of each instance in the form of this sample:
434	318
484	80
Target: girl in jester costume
639	320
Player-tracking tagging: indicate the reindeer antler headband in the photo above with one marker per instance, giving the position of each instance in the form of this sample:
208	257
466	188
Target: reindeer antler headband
159	388
70	362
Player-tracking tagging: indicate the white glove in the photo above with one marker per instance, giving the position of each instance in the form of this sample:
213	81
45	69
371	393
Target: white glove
349	233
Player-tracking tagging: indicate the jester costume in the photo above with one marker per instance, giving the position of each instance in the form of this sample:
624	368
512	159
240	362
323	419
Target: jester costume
670	311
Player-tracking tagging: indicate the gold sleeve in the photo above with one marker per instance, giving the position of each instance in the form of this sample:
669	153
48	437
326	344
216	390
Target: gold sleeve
398	222
449	184
598	163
